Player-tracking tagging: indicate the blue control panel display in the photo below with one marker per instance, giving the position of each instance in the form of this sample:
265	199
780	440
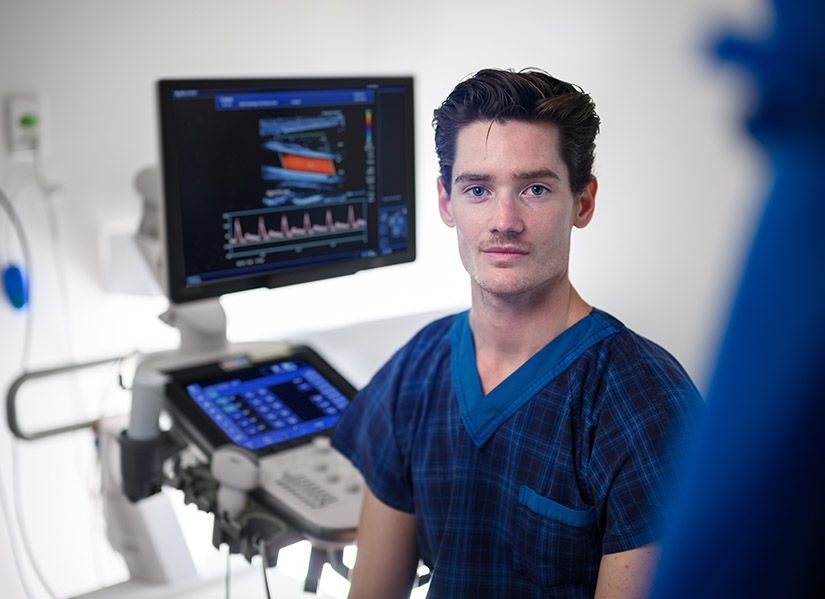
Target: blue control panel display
259	407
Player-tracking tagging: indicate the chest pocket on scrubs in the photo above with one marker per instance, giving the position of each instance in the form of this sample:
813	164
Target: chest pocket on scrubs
553	544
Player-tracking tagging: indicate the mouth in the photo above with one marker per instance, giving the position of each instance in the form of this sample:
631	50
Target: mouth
505	250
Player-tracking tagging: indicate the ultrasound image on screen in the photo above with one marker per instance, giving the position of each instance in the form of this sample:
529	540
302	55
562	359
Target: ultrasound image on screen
315	189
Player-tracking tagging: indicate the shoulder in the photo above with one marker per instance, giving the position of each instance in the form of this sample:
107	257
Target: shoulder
636	360
419	352
431	336
418	360
640	387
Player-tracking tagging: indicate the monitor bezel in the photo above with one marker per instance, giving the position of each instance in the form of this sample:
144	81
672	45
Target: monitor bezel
175	276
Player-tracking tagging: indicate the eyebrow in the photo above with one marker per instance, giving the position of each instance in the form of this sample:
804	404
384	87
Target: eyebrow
472	178
479	178
539	174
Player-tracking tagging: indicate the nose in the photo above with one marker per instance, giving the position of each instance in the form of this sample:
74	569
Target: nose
507	217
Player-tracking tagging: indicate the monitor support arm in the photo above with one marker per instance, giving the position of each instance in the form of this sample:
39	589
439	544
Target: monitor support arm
202	326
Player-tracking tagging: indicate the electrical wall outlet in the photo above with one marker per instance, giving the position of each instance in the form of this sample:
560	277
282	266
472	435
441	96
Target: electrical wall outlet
23	122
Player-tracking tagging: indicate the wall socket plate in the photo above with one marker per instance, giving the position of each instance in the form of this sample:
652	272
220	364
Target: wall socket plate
23	122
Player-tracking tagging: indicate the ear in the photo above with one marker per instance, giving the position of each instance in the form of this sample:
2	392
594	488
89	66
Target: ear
586	204
445	207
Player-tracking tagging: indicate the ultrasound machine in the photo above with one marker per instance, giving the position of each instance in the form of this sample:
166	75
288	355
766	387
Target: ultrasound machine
263	183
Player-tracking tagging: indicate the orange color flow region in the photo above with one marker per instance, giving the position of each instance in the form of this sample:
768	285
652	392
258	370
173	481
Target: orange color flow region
304	163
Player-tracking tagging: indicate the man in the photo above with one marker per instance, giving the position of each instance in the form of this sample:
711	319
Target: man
523	448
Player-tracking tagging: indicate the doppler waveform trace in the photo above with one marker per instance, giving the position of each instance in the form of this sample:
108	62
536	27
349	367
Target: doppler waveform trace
254	232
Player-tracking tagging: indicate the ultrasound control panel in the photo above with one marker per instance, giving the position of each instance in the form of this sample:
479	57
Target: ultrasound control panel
284	410
317	485
269	405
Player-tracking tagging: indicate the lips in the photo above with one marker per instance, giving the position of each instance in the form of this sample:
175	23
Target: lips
505	250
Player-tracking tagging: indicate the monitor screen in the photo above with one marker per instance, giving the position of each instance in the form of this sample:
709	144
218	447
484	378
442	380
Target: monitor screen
263	406
275	182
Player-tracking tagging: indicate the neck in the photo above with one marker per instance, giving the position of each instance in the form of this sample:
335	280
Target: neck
507	331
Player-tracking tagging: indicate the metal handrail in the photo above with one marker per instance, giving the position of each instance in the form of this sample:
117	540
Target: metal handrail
11	399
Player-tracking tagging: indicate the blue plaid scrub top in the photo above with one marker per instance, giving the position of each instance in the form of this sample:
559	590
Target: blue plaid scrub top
520	492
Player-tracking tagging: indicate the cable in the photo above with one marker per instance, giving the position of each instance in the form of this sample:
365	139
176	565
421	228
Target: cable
262	552
46	185
24	244
228	571
21	524
5	238
8	207
14	549
14	219
47	188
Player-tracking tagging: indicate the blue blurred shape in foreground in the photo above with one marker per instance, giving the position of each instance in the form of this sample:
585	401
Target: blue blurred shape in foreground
752	519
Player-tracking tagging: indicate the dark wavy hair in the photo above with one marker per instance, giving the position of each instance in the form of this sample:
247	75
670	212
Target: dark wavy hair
530	95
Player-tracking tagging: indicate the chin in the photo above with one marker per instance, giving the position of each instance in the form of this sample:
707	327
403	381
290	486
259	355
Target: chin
500	288
514	286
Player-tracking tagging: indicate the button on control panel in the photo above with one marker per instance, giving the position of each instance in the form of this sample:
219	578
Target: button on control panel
314	483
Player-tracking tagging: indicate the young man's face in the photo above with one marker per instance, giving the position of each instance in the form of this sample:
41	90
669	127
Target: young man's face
512	207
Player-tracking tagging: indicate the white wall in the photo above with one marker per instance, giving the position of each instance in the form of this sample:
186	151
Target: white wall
679	184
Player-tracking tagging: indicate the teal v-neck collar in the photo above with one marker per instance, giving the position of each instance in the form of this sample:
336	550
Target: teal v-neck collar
482	415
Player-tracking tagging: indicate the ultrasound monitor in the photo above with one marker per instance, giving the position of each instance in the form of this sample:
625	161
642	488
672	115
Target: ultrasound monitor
276	182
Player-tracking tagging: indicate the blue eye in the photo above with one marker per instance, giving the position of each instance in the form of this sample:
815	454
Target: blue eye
538	190
476	192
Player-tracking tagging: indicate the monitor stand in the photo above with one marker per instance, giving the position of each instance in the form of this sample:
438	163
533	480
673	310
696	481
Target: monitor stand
202	326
